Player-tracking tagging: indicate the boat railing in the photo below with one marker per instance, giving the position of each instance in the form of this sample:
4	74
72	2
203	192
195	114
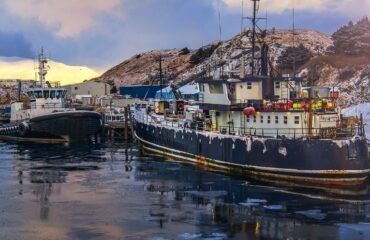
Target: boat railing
45	106
332	133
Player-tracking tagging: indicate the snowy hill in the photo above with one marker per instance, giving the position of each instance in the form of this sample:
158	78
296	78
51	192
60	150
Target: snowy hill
327	65
184	64
18	68
356	110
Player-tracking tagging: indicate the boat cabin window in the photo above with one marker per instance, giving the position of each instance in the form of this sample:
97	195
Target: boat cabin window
30	94
215	88
46	94
277	119
58	94
296	120
248	118
268	119
285	120
261	118
201	87
277	84
249	85
52	94
38	94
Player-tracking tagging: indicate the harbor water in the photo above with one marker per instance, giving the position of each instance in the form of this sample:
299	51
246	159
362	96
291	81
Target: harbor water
117	192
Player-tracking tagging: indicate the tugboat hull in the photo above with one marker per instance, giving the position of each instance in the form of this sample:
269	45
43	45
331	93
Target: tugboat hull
313	161
63	126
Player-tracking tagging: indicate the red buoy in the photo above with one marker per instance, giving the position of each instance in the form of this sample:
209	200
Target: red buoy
290	104
248	111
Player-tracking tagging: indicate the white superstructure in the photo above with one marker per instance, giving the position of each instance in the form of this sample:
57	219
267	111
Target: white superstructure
43	100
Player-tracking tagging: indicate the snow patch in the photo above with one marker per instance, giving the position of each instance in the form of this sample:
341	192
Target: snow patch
283	151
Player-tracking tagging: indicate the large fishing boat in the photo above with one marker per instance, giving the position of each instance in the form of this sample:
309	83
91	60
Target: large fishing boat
263	126
45	117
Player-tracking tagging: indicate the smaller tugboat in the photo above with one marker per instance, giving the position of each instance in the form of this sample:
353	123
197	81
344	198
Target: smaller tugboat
46	118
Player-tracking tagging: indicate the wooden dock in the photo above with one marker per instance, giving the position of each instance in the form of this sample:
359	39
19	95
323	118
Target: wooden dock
120	130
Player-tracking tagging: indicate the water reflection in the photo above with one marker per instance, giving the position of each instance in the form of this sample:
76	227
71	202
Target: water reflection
110	192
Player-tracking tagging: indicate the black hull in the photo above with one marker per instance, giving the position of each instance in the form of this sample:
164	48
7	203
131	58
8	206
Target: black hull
313	161
64	126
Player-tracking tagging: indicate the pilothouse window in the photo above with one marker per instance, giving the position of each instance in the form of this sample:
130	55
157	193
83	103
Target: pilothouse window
30	94
38	94
52	94
249	85
215	88
46	94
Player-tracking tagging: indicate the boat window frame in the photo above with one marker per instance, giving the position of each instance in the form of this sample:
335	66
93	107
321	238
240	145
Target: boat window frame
277	84
31	94
38	94
46	94
215	88
285	119
52	94
296	119
249	85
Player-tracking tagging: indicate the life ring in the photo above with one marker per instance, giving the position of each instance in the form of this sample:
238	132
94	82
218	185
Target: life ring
180	106
23	129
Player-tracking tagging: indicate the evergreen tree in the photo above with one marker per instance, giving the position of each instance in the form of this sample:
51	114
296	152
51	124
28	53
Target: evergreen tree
293	56
353	39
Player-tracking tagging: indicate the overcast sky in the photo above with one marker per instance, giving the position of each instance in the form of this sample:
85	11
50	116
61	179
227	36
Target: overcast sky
102	33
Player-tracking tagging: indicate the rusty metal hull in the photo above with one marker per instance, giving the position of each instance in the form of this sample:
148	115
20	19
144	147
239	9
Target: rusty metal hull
317	161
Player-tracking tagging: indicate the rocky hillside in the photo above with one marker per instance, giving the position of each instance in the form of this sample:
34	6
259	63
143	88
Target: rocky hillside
347	64
184	64
329	60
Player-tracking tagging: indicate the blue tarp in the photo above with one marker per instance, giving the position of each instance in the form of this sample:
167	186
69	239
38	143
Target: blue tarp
139	91
189	91
166	94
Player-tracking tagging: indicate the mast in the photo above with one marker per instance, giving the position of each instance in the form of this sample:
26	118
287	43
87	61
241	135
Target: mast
42	68
294	60
254	34
242	68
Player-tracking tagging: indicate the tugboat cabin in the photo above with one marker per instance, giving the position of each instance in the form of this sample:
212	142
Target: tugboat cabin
42	101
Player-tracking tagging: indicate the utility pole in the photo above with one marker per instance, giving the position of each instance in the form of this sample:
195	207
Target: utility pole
160	75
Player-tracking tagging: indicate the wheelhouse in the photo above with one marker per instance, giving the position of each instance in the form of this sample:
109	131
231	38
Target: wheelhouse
47	93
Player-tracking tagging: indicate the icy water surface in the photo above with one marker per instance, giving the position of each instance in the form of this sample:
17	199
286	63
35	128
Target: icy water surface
102	192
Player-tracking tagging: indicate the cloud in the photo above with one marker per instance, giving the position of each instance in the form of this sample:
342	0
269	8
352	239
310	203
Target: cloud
346	7
66	18
14	45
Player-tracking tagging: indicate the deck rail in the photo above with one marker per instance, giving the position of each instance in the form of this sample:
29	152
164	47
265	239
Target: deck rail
333	133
